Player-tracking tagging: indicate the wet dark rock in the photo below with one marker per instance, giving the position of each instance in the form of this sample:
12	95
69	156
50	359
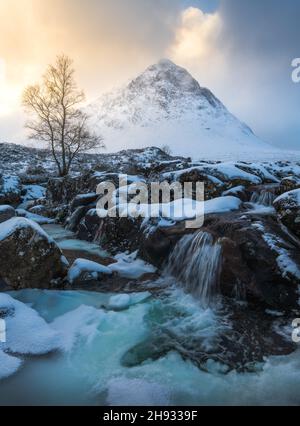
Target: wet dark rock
288	210
10	190
6	213
119	234
28	257
289	183
83	200
256	257
75	218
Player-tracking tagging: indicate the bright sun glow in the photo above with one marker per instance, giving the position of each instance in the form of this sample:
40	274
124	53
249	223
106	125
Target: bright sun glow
9	96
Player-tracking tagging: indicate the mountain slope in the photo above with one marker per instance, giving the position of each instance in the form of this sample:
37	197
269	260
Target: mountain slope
166	105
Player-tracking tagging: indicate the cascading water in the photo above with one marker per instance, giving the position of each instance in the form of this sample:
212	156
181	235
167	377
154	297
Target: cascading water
196	263
263	198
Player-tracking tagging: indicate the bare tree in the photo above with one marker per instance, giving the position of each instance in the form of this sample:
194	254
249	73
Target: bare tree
56	117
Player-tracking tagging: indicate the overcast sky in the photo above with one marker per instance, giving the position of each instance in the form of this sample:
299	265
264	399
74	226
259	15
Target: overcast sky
241	49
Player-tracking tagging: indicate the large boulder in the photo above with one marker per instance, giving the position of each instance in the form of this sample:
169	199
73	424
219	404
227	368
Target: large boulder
259	261
288	184
63	190
83	200
114	234
10	190
29	258
84	271
89	226
6	213
288	210
213	187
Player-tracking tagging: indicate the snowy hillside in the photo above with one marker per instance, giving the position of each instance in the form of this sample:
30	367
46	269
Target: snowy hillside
166	105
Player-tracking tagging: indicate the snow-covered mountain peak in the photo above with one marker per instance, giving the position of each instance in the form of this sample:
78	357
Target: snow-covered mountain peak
165	105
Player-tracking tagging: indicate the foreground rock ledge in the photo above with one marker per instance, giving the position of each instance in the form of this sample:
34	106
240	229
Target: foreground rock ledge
29	258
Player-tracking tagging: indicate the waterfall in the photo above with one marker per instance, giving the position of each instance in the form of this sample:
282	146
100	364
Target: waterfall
196	263
263	198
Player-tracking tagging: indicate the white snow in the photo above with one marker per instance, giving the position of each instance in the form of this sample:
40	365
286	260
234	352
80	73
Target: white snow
18	223
10	183
286	264
8	365
26	333
236	190
33	192
222	205
81	266
291	196
119	302
225	171
166	104
41	220
177	210
261	170
130	266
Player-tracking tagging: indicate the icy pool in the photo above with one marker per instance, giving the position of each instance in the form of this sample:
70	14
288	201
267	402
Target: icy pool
66	240
118	350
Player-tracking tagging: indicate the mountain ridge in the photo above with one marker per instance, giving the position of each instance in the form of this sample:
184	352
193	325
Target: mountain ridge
165	105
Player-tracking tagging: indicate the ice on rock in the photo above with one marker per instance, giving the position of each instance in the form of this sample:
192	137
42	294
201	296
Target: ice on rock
41	220
81	266
129	266
8	364
119	302
10	226
26	334
124	301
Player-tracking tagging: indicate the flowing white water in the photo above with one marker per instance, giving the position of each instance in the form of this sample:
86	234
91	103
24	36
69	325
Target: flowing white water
263	198
196	263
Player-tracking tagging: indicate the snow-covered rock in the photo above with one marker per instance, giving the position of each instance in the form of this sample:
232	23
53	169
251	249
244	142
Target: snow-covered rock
26	334
29	258
41	220
165	105
6	213
287	206
119	302
84	270
289	183
10	189
130	266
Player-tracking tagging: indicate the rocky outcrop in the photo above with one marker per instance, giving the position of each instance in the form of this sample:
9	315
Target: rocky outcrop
84	271
288	210
89	226
6	213
10	190
28	257
213	187
259	261
114	234
83	200
289	183
64	190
